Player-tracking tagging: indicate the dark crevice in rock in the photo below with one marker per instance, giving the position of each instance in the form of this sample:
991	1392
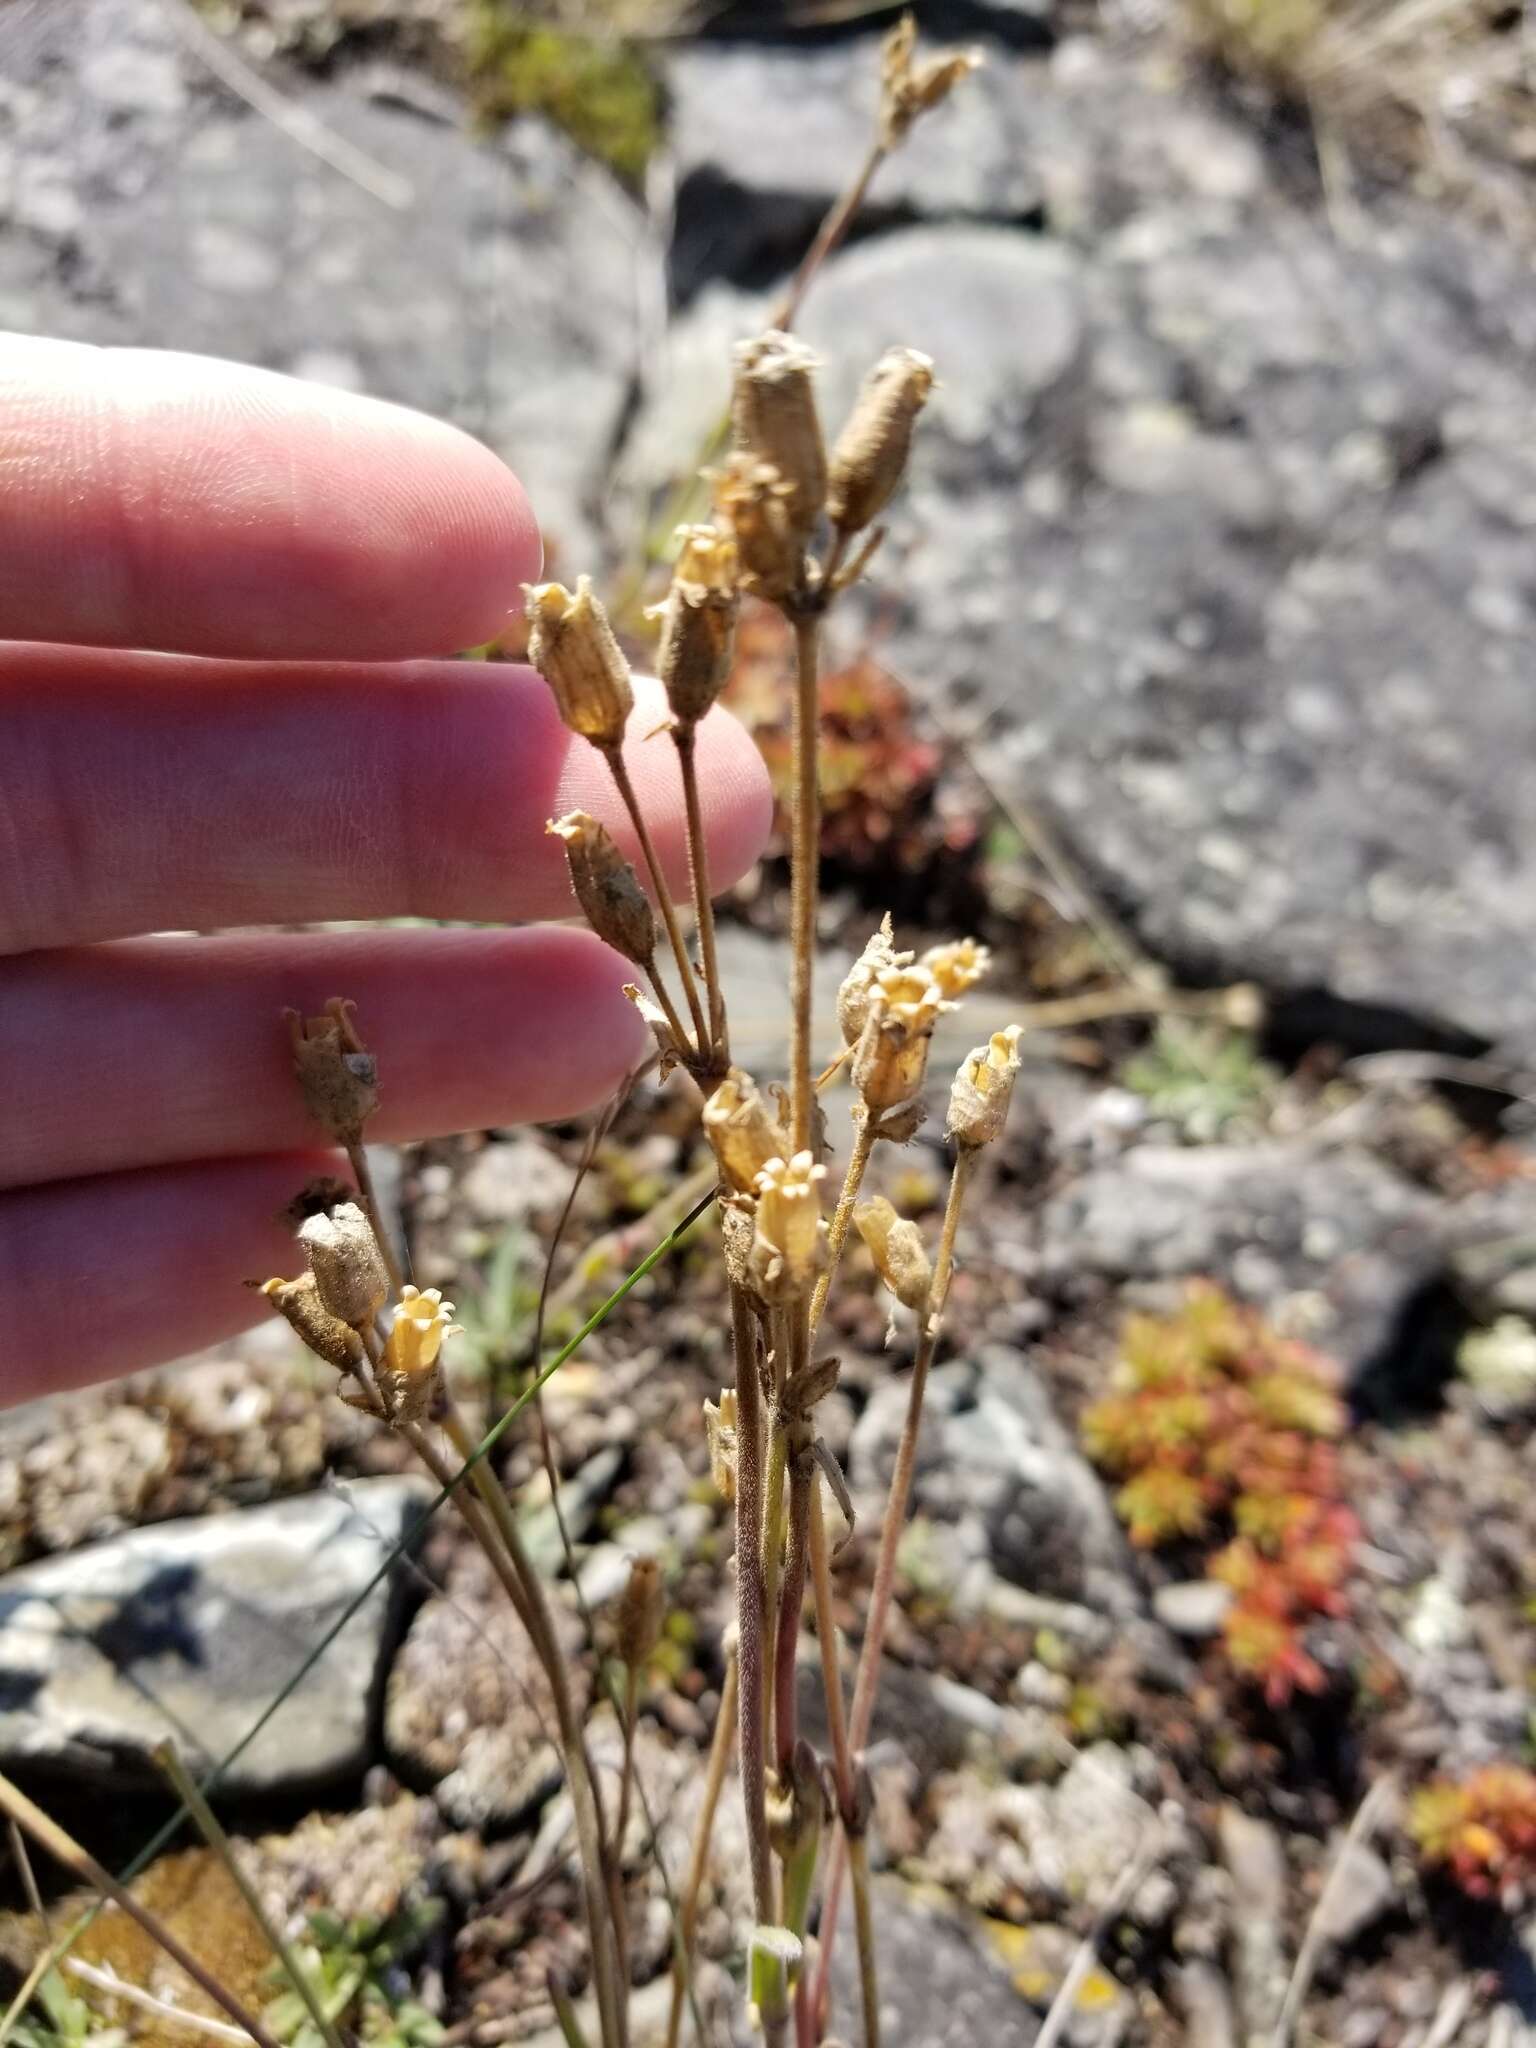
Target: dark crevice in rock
1408	1372
1004	26
1302	1018
709	245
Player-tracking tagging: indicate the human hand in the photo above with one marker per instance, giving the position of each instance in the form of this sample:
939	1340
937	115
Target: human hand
292	758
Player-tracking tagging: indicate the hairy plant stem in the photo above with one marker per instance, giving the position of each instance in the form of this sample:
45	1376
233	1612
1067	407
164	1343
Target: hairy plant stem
698	1865
805	850
864	1930
619	770
792	1431
835	225
867	1682
842	1215
601	1884
81	1864
362	1173
684	739
189	1793
750	1610
631	1712
843	1776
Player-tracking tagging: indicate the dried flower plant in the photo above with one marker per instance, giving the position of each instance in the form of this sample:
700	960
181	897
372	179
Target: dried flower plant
793	526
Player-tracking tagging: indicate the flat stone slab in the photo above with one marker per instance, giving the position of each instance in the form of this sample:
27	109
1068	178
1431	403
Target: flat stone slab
142	204
188	1629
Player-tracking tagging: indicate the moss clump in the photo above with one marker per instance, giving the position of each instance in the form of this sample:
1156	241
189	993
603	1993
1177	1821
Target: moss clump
601	92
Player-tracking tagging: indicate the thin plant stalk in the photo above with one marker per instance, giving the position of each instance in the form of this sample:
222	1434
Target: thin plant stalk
172	2015
714	1780
751	1614
842	1773
509	1558
81	1864
842	1215
684	739
626	788
804	871
357	1159
791	1600
834	227
185	1787
166	1833
867	1682
628	1716
864	1928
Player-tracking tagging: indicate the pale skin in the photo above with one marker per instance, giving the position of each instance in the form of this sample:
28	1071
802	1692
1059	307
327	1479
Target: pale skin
297	749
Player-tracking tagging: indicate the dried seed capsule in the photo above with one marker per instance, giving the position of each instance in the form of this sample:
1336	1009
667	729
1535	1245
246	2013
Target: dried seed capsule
872	449
790	1242
698	623
738	1236
908	90
774	420
298	1303
572	646
897	1248
959	966
720	1431
742	1130
978	1102
344	1257
337	1073
858	984
642	1609
607	887
755	502
891	1058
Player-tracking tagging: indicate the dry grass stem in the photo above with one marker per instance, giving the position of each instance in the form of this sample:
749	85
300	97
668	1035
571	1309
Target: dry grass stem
703	1834
63	1848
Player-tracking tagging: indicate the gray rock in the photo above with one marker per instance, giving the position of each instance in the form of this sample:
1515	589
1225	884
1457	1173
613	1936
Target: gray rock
187	1629
764	138
1195	1610
1196	578
1359	1895
1206	2004
467	1708
941	1985
1270	1221
506	295
1254	1858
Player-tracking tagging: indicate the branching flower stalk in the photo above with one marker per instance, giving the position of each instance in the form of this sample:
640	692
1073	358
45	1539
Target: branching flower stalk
795	523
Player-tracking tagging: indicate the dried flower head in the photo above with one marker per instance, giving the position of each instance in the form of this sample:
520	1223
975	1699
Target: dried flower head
872	450
958	966
720	1430
344	1257
337	1074
891	1058
743	1131
908	90
698	622
790	1235
754	500
607	887
298	1303
774	420
858	984
572	646
978	1102
896	1246
642	1609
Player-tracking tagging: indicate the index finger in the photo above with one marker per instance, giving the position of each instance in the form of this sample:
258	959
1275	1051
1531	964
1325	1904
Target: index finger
152	499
